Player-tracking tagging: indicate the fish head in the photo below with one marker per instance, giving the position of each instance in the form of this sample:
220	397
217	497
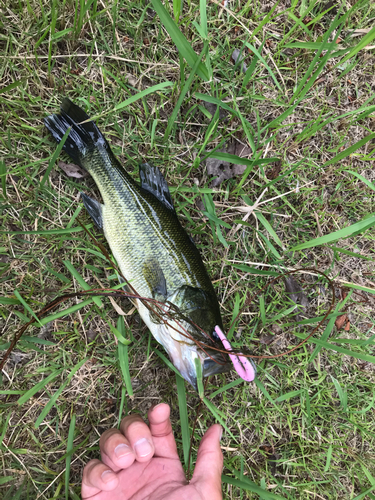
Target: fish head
195	314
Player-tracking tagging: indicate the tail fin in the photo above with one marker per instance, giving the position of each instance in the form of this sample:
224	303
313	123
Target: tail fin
82	138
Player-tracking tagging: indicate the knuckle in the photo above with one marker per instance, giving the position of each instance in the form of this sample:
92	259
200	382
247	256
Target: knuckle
107	436
90	466
136	427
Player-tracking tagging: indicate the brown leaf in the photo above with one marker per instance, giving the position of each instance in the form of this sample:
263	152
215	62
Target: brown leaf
295	293
277	330
72	170
266	338
224	170
91	335
131	79
274	172
341	321
211	108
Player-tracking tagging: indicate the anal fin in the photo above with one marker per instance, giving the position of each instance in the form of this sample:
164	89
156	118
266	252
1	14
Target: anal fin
94	208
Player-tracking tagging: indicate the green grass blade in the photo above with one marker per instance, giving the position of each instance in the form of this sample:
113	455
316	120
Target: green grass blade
5	479
269	228
289	395
123	357
54	398
177	9
73	271
198	367
283	314
179	39
3	175
4	426
185	431
337	235
261	387
270	247
334	26
342	394
118	335
349	151
361	178
329	457
327	345
69	448
135	98
143	93
246	128
54	157
203	14
327	332
26	306
215	100
216	415
250	486
366	40
66	312
37	387
181	98
51	231
227	387
352	254
167	362
11	86
261	59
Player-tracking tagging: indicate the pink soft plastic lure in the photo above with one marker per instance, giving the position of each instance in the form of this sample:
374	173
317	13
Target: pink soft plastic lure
245	367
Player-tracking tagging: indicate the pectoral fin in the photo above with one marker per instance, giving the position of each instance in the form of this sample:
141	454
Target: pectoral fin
155	279
94	209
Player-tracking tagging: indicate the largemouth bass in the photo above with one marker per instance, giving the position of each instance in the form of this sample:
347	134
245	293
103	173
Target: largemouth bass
152	250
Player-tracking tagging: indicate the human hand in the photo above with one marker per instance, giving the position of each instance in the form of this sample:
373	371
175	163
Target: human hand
141	462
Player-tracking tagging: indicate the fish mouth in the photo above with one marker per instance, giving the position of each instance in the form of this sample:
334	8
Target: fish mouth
210	366
183	356
183	352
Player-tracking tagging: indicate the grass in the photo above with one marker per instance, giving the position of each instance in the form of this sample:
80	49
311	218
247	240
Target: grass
306	427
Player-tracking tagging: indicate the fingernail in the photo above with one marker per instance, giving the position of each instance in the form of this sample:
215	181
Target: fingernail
221	434
121	450
155	406
107	476
143	448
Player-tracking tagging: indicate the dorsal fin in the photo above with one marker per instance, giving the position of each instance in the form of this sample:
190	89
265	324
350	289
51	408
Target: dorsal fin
153	181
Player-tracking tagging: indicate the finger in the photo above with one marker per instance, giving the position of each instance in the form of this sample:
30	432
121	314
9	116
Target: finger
209	466
116	450
161	430
97	477
139	436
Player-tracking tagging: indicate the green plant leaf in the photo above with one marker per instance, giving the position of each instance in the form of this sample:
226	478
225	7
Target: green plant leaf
185	431
337	235
183	46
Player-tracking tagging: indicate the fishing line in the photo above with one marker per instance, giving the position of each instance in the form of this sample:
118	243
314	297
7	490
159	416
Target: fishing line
163	313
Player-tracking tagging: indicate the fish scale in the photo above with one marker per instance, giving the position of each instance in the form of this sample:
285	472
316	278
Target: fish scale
152	250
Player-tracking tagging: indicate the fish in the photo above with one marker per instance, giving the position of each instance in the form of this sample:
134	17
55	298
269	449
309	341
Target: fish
153	251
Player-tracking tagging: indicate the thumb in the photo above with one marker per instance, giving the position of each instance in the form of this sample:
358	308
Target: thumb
207	473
